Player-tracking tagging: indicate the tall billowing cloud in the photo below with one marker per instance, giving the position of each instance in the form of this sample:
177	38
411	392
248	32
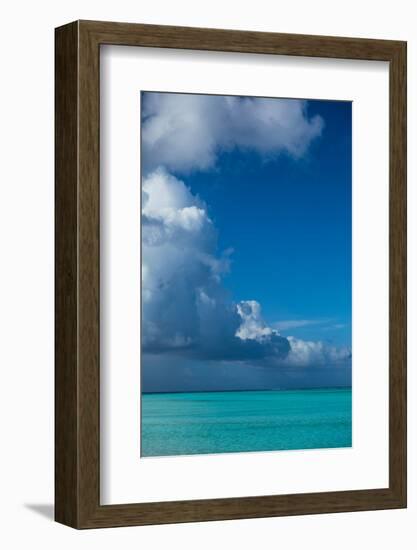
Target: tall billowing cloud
185	307
185	132
184	304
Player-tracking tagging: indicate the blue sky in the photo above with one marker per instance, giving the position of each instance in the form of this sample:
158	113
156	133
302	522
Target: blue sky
253	236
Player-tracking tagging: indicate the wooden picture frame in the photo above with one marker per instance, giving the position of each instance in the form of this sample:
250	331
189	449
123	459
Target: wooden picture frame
77	382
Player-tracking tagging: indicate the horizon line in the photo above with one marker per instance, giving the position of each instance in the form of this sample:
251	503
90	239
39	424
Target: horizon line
251	390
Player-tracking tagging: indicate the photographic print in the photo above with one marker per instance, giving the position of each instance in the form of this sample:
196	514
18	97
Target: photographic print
246	274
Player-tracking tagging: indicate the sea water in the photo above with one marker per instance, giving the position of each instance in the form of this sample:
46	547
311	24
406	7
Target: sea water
242	421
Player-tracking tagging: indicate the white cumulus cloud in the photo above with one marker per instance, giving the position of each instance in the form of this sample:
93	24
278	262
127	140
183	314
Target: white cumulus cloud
185	132
252	326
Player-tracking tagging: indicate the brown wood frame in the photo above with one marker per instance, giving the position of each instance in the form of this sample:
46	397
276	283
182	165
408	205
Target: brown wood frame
77	471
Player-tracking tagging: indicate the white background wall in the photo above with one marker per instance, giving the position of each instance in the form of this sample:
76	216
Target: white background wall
26	272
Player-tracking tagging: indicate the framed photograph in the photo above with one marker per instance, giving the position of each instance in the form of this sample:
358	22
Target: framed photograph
230	274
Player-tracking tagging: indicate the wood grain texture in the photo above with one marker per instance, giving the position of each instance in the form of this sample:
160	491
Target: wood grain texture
78	285
66	237
398	274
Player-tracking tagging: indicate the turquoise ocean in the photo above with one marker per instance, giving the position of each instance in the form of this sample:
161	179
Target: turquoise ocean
242	421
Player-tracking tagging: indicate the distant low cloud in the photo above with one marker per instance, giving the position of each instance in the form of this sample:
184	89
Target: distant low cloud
305	353
299	323
185	132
